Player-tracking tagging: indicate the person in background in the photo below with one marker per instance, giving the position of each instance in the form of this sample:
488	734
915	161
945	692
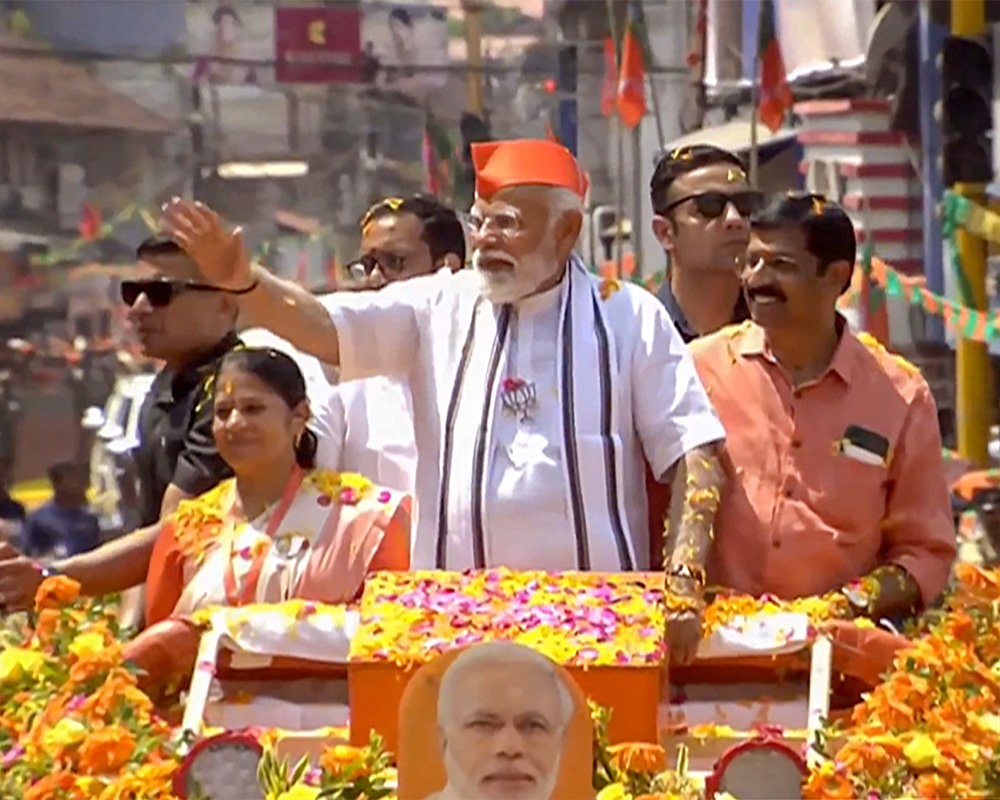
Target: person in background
12	513
189	326
702	203
407	237
833	451
64	526
366	426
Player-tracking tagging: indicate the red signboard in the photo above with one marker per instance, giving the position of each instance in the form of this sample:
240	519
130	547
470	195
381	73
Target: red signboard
317	44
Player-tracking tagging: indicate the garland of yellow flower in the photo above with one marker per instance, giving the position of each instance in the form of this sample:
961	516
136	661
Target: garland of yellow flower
197	522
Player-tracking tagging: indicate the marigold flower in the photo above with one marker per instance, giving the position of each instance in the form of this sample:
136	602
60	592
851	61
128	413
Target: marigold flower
87	645
106	750
65	733
49	786
300	792
638	757
56	592
18	662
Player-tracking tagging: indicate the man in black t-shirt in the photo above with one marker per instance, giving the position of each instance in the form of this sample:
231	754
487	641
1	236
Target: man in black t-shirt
702	203
188	326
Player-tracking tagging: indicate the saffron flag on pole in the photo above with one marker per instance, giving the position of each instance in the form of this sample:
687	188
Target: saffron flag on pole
609	90
775	95
632	78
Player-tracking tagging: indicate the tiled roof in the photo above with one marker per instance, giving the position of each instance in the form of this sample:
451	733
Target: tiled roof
37	87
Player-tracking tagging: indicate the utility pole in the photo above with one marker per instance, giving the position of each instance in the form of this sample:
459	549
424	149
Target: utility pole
474	48
967	167
197	129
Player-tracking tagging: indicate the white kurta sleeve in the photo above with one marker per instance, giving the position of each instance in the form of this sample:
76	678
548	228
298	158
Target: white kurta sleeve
379	332
329	423
672	412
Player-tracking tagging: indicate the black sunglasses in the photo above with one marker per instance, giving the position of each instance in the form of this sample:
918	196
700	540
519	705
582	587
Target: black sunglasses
161	293
712	205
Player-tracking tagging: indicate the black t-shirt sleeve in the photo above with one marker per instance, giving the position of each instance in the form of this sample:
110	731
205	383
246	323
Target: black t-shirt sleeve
199	465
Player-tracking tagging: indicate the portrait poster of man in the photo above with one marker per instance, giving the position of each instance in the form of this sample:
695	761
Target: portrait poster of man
496	721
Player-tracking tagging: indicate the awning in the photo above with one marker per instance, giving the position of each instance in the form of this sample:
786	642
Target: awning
735	135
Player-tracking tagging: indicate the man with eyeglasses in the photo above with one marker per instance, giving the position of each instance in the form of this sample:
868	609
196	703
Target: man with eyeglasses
366	425
702	203
407	237
833	447
537	388
189	326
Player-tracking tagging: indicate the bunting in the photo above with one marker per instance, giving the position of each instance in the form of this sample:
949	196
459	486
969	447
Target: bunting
958	211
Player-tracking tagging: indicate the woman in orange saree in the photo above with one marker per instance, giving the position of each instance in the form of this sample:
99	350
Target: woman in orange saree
279	529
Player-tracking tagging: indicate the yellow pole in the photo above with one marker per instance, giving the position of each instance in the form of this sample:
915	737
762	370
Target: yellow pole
974	376
474	46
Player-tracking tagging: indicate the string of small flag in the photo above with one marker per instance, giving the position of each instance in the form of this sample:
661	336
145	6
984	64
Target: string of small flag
93	228
958	211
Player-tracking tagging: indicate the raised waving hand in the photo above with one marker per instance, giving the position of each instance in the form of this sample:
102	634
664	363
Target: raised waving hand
219	253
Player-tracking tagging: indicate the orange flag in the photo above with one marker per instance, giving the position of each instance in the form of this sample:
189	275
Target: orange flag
632	79
775	96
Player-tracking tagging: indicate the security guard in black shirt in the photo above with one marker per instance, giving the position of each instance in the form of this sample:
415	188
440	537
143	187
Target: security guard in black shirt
175	431
189	326
702	204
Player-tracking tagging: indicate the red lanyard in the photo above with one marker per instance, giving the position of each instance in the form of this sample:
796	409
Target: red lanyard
244	592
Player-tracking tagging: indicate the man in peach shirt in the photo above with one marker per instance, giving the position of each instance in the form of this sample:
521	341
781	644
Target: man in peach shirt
833	447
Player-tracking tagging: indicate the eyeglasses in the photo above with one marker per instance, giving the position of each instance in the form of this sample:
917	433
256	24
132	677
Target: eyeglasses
507	223
712	205
161	293
390	264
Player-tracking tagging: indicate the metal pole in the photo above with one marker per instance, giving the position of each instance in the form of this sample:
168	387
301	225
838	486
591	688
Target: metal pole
654	101
931	37
620	142
754	103
197	143
974	378
637	198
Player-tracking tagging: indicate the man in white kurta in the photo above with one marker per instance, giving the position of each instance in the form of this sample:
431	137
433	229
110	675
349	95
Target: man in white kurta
537	388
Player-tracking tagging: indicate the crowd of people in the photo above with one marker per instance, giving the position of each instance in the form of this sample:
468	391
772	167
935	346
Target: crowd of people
523	412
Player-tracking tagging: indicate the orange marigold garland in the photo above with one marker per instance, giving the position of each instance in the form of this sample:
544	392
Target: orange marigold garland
73	724
932	728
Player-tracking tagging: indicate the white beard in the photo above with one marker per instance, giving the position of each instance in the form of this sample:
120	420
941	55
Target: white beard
511	285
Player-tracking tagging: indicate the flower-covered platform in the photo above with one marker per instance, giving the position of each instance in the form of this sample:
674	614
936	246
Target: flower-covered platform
607	630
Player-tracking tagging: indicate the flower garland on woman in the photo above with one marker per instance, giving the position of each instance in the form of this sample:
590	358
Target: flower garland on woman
280	529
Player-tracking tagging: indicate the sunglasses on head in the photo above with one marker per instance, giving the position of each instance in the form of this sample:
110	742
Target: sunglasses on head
161	293
712	205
